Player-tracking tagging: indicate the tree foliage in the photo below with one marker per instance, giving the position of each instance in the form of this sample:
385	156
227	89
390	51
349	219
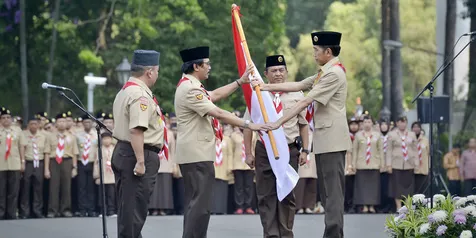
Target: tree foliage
94	36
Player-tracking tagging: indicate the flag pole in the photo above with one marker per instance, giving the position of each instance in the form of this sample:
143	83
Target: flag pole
256	88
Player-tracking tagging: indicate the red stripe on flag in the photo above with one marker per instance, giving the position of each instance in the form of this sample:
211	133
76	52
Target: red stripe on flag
240	59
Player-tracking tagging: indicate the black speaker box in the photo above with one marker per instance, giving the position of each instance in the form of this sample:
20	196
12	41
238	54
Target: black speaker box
441	109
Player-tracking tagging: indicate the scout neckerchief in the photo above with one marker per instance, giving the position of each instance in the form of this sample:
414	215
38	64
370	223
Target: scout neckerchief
36	157
215	123
312	107
278	105
165	148
164	153
87	146
219	153
243	154
385	143
404	146
60	149
108	159
8	145
352	136
368	153
419	151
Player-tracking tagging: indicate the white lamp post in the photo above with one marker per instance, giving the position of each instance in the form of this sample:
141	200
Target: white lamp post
92	81
123	71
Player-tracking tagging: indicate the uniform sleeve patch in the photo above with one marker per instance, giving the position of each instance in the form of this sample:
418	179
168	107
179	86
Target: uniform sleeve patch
143	103
199	96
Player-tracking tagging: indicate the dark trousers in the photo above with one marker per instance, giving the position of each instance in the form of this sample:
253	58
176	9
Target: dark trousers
330	171
387	202
60	186
32	181
198	180
306	193
277	218
455	187
349	193
243	192
178	191
469	187
133	192
110	198
86	187
9	189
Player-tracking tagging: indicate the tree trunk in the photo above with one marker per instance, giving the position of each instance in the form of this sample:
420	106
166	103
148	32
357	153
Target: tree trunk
471	103
396	62
24	68
448	75
49	76
385	77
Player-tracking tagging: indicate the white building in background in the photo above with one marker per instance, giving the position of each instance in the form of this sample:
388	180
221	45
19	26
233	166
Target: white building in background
461	64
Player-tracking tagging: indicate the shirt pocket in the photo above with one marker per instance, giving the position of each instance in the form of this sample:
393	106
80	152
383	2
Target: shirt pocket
201	136
322	124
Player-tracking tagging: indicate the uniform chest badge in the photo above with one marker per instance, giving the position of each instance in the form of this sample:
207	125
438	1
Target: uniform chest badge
199	96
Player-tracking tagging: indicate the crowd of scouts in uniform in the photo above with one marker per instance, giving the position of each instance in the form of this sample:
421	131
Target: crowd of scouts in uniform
51	168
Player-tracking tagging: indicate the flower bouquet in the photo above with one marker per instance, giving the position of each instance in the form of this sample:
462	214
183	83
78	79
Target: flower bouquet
449	217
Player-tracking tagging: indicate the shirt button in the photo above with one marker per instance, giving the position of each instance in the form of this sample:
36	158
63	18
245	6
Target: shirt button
206	137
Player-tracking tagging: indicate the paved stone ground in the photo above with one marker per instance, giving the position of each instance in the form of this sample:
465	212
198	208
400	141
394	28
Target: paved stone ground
225	226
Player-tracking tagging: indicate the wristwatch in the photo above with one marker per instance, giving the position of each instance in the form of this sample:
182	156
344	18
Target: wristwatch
305	151
247	124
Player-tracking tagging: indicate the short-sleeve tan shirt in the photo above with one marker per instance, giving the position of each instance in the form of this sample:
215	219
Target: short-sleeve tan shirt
134	107
195	136
42	144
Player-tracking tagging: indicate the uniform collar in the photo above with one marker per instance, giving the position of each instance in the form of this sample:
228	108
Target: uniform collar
31	134
193	79
141	84
325	68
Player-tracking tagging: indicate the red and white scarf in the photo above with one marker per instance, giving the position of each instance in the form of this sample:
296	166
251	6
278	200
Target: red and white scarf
278	105
404	146
368	152
60	149
86	148
36	156
219	153
385	143
243	153
8	145
352	136
420	151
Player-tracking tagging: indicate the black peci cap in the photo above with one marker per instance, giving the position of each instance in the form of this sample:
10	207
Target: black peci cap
196	53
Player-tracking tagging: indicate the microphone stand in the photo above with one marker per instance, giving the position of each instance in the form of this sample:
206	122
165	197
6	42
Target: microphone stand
99	125
431	88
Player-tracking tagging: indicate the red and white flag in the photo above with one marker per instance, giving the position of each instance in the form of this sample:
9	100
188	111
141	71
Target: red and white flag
286	176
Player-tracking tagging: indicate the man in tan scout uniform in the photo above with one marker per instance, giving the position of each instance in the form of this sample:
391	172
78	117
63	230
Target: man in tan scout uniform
63	167
10	166
197	130
87	144
277	218
140	133
331	139
423	157
35	147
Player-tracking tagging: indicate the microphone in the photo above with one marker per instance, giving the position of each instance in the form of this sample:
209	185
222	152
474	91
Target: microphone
470	33
51	86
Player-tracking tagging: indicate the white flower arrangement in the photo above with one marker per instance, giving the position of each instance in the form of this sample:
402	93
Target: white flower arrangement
449	217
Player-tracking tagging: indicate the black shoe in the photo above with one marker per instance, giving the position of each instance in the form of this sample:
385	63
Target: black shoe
77	214
39	216
50	215
67	214
92	214
23	217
